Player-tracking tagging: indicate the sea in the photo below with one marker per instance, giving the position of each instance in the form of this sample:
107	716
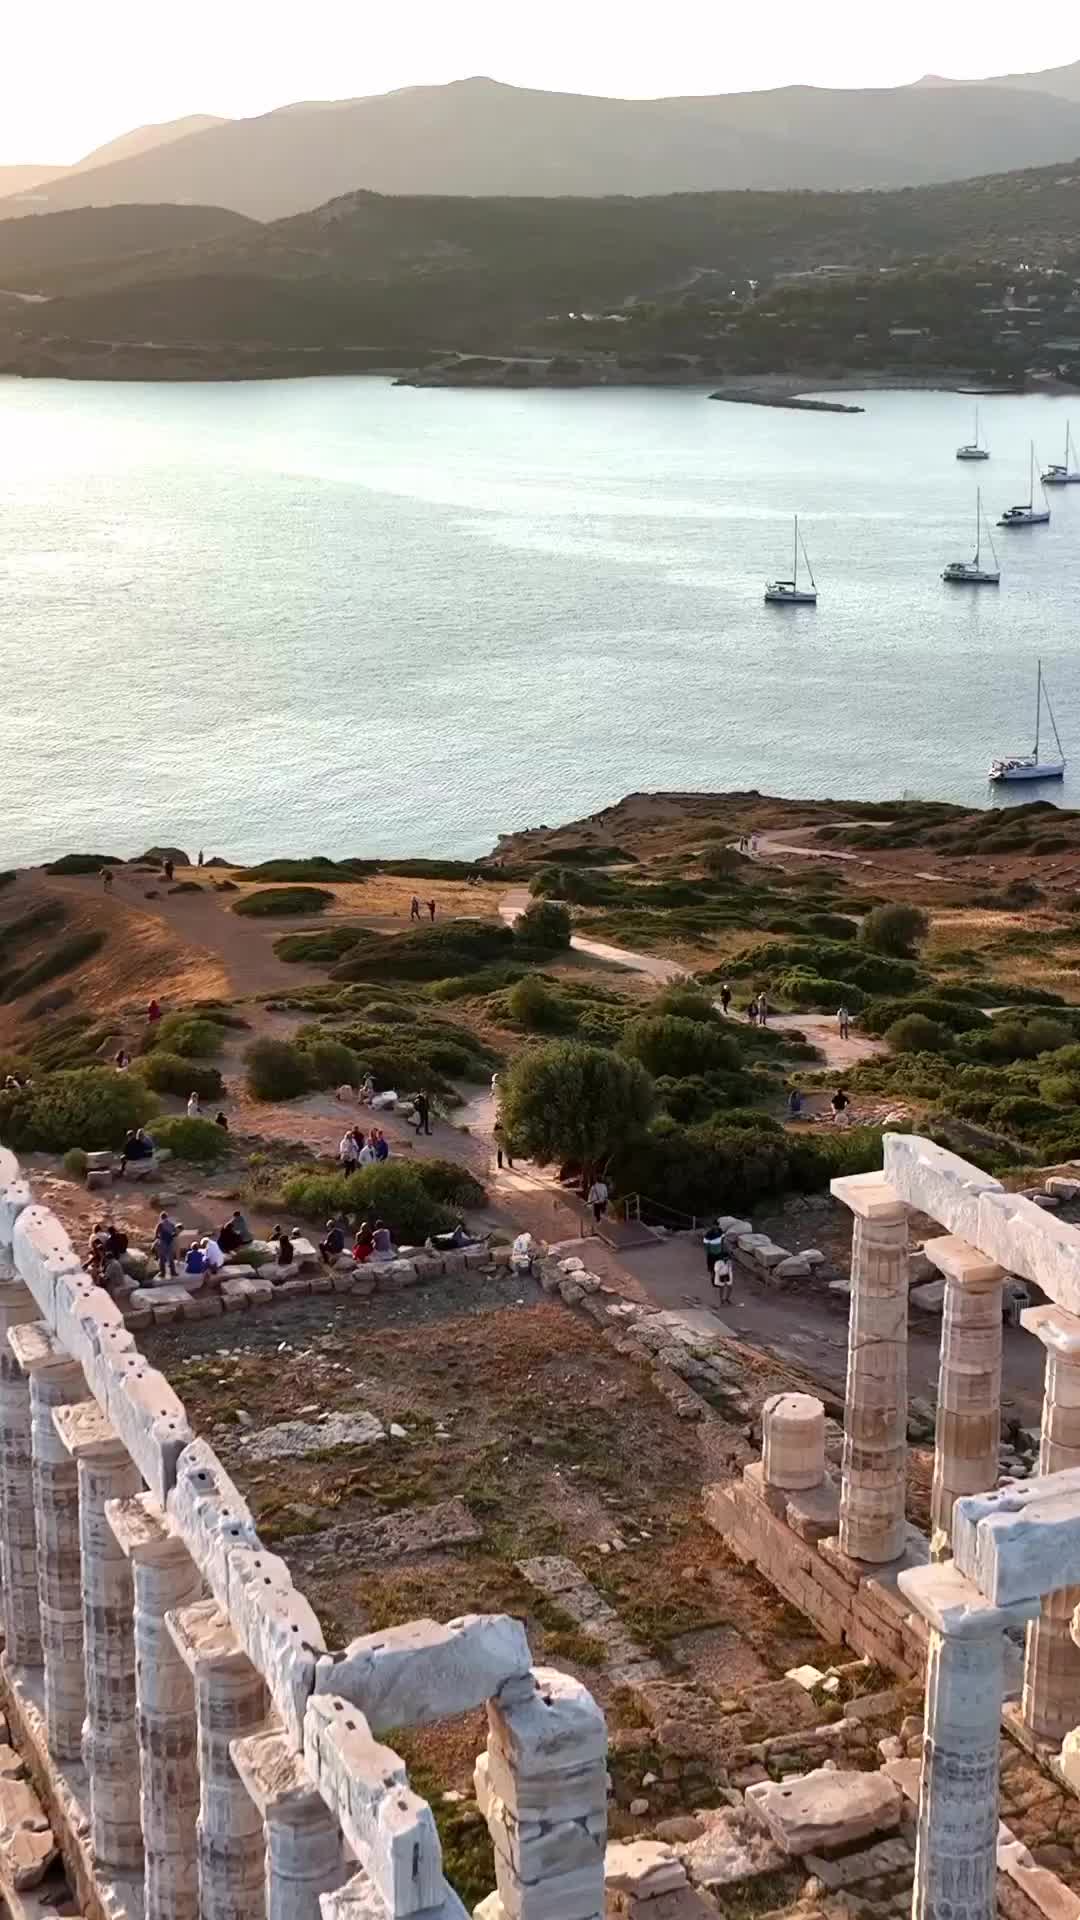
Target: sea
336	616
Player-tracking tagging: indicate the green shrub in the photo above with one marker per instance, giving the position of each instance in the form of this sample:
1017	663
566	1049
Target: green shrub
879	1015
276	1070
389	1191
665	1044
895	929
813	993
7	878
1022	1113
76	1162
722	862
83	863
188	1035
331	1063
916	1034
199	1141
580	888
832	926
315	868
60	959
277	900
386	1013
171	1073
427	953
1061	1089
686	1003
322	947
450	1184
544	924
255	1257
566	1102
91	1107
537	1007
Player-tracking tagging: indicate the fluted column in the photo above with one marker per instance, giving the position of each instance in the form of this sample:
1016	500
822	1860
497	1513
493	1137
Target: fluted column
106	1472
303	1840
230	1702
55	1381
1051	1699
873	1522
956	1847
968	1436
18	1530
164	1577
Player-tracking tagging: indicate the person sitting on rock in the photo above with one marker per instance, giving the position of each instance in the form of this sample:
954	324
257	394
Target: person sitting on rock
283	1246
220	1120
362	1245
97	1250
382	1245
212	1254
380	1145
137	1146
332	1245
234	1233
115	1280
195	1260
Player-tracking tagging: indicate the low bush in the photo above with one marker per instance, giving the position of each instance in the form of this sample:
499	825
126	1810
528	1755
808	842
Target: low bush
812	992
580	888
664	1044
386	1013
722	862
171	1073
895	929
544	924
277	900
60	959
89	1107
389	1191
451	1184
452	947
536	1006
199	1141
44	917
686	1003
331	1063
82	863
322	947
879	1015
76	1162
276	1071
832	926
188	1035
916	1034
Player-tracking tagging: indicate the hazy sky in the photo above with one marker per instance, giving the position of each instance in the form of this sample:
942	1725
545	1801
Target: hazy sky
74	75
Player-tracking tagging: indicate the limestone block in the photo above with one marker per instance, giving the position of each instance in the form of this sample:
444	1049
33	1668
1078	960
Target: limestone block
14	1196
1061	1188
954	1606
97	1178
42	1252
575	1895
304	1254
150	1419
537	1849
277	1629
96	1161
422	1671
359	1900
770	1256
1036	1245
576	1793
938	1183
383	1821
304	1855
166	1295
870	1196
795	1267
825	1809
210	1514
558	1727
1022	1541
237	1294
793	1435
643	1868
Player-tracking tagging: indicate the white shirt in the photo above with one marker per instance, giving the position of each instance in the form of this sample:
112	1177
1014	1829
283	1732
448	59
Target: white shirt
193	1107
213	1256
598	1193
347	1150
367	1155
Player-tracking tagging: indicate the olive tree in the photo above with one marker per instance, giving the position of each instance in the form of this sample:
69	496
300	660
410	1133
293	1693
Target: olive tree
567	1102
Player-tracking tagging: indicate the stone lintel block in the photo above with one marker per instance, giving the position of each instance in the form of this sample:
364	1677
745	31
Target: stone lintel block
422	1671
953	1604
559	1726
826	1809
1058	1330
86	1434
870	1196
273	1773
149	1418
141	1529
42	1252
277	1628
359	1900
14	1196
962	1263
1023	1541
381	1818
938	1183
1032	1243
210	1514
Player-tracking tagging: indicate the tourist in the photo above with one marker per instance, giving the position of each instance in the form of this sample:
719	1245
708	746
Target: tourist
95	1252
362	1245
194	1106
721	1279
153	1013
366	1156
200	857
423	1113
333	1245
212	1254
122	1060
843	1021
346	1094
114	1279
168	870
598	1199
107	878
521	1254
137	1146
380	1144
502	1145
165	1245
348	1151
221	1121
234	1233
794	1104
431	910
713	1243
382	1245
116	1242
195	1260
414	908
725	998
753	846
751	1013
283	1246
459	1236
840	1103
367	1090
762	1010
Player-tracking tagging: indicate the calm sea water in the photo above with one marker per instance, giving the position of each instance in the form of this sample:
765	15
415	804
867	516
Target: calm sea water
334	616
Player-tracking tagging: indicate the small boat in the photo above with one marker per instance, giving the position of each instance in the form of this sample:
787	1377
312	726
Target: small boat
972	573
788	593
1028	515
1067	474
973	450
1029	766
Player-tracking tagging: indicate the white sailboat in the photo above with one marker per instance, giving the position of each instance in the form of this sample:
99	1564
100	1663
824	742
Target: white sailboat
973	450
1067	473
788	593
1029	766
1027	515
972	573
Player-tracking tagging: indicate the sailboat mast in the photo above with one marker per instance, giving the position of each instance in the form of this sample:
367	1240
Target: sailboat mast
1038	708
978	522
795	563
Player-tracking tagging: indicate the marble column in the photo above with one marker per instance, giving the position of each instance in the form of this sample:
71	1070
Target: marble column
873	1522
55	1381
303	1840
956	1846
106	1472
21	1614
1051	1699
230	1702
164	1578
968	1432
793	1441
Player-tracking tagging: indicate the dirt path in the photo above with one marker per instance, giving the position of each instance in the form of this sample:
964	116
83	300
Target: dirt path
662	971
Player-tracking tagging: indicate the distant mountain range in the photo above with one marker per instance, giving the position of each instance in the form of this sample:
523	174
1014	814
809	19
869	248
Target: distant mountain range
479	137
38	181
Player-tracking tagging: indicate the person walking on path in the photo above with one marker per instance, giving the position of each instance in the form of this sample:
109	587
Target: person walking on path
725	998
431	910
794	1104
165	1245
502	1145
762	1010
107	878
721	1279
414	908
843	1021
423	1113
598	1199
713	1243
751	1012
153	1013
840	1103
